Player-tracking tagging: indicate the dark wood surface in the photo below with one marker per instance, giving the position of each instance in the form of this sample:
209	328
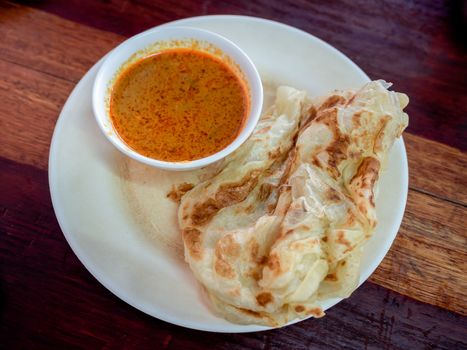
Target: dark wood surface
416	299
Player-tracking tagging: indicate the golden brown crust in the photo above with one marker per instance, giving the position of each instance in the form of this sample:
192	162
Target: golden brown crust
253	248
332	195
192	240
288	166
227	195
204	211
378	146
332	100
230	194
312	113
299	308
342	240
227	251
224	269
264	298
337	149
265	191
229	247
264	130
364	180
277	153
179	191
250	312
274	264
316	312
357	119
351	218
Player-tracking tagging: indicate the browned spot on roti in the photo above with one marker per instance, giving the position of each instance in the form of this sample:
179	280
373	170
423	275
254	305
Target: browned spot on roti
224	269
365	179
378	145
372	199
350	217
253	248
324	239
264	191
192	240
332	101
228	246
342	240
316	312
272	155
350	100
299	308
263	130
355	154
235	292
287	232
357	119
203	212
230	194
284	201
274	263
270	208
226	195
264	298
327	117
250	312
179	191
332	195
312	112
337	149
249	209
227	250
331	277
289	161
315	161
362	208
255	273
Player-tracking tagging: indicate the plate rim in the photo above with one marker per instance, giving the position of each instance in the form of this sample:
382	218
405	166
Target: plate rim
108	284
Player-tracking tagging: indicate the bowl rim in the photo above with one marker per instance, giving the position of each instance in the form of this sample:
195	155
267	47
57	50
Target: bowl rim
126	50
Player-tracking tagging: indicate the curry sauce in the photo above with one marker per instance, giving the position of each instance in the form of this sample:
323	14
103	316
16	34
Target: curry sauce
178	105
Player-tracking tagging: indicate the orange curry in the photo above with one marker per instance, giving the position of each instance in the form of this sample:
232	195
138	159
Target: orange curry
178	105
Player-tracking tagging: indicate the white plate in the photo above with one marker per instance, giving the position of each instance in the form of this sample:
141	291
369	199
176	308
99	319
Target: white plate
109	208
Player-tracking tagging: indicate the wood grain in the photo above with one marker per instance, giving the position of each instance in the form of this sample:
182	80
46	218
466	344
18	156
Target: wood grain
32	39
51	300
417	45
428	260
437	169
31	103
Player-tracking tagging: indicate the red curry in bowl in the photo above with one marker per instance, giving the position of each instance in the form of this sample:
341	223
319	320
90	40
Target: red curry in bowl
179	105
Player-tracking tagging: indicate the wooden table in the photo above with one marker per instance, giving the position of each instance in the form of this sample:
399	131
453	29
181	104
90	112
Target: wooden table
416	299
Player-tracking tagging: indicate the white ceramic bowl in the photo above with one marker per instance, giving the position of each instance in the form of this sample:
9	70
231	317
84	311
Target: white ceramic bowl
159	39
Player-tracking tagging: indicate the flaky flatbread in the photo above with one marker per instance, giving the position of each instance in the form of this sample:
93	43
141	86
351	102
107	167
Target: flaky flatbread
281	226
